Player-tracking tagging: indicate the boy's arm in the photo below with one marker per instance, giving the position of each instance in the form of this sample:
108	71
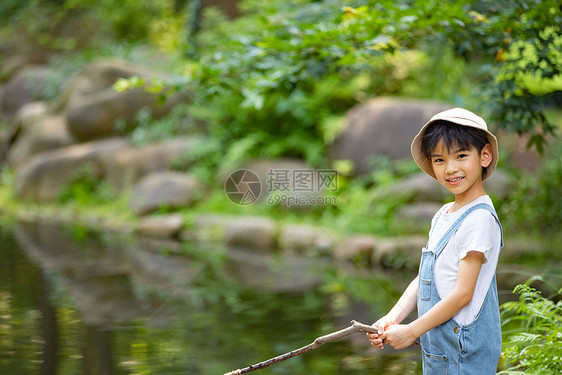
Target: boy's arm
401	336
405	305
407	302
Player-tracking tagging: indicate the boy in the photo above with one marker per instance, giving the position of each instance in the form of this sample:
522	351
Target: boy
455	291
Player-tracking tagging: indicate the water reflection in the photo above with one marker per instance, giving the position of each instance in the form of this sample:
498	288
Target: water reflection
98	274
74	302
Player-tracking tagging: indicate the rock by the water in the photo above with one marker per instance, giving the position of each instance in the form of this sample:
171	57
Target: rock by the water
304	239
128	166
44	176
208	228
161	226
253	232
165	189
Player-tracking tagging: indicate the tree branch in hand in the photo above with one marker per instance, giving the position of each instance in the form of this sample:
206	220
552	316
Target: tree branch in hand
353	328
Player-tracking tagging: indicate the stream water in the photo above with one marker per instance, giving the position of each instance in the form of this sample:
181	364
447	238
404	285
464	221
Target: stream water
77	302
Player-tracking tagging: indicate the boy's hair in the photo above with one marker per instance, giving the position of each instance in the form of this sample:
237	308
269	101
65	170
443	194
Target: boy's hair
454	137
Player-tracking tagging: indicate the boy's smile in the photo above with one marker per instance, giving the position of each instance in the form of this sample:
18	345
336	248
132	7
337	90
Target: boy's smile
460	171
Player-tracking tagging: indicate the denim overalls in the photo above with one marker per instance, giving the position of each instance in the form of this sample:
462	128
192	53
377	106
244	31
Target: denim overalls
451	348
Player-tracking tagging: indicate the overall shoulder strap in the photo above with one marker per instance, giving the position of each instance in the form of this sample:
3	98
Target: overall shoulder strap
453	228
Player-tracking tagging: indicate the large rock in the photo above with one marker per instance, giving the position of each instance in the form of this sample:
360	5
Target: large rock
44	176
128	166
44	134
166	189
382	127
96	116
96	77
26	86
92	106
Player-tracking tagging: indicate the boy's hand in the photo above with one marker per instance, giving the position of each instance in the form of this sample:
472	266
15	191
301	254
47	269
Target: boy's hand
382	324
398	336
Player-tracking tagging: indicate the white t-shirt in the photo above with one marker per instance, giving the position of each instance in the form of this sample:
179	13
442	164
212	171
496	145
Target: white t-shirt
478	232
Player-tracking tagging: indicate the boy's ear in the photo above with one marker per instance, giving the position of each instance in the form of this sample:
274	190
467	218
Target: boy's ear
486	156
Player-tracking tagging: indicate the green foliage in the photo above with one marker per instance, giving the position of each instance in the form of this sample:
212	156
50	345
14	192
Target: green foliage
535	204
529	51
86	188
270	73
63	26
360	210
277	81
273	82
534	332
149	130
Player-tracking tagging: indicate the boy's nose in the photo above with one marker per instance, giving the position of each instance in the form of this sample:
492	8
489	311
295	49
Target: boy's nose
451	167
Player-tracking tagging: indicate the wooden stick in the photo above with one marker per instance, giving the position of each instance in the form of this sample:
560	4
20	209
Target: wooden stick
353	328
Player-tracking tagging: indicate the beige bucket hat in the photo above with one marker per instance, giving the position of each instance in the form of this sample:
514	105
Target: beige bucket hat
462	117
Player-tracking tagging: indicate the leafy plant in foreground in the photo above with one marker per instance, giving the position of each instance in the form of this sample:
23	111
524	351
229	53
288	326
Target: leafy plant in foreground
534	344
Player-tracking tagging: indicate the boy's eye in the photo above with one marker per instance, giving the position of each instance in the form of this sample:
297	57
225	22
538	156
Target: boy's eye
462	156
437	160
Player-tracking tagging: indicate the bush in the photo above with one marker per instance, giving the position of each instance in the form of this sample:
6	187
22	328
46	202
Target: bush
534	333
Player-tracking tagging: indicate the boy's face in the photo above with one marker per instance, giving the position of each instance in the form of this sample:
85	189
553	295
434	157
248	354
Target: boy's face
460	170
